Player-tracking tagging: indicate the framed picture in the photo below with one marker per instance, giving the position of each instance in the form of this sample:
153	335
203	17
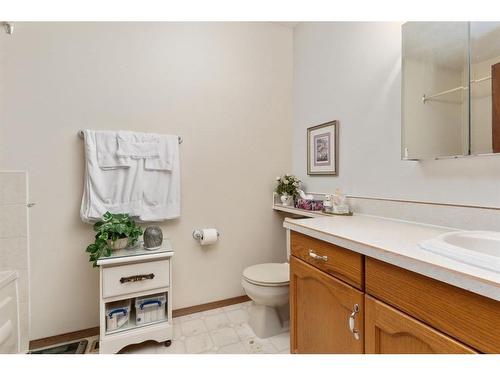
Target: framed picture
322	149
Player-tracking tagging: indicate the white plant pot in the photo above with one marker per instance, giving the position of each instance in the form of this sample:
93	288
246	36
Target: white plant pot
120	243
286	200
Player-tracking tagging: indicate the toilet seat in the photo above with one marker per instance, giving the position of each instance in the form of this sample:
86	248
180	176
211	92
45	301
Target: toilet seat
268	274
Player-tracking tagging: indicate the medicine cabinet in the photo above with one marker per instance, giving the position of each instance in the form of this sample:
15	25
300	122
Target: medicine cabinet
450	89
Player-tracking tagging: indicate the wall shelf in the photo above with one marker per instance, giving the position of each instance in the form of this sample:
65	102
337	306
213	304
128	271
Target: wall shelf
298	211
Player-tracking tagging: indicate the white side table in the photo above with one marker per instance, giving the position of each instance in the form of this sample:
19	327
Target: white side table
134	273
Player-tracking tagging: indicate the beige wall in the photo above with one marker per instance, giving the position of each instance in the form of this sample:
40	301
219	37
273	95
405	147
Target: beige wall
225	88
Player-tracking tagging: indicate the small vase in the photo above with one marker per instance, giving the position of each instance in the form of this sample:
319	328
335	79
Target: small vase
120	243
153	238
286	200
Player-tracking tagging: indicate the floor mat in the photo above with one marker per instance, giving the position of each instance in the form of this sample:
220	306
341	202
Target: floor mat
74	347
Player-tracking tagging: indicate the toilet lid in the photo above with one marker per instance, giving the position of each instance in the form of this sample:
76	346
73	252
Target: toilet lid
268	273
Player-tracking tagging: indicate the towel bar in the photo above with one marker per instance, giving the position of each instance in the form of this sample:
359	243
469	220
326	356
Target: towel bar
80	134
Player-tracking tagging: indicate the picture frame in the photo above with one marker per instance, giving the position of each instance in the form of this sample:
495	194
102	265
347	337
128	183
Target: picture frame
323	149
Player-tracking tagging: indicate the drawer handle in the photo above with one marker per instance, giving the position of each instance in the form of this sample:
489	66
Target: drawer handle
133	279
352	321
155	302
315	256
117	311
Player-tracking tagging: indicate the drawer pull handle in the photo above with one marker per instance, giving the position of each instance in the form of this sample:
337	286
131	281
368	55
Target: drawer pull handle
133	279
352	321
117	311
315	256
153	302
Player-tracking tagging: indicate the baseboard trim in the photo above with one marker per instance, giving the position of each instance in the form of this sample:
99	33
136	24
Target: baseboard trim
209	306
94	331
65	337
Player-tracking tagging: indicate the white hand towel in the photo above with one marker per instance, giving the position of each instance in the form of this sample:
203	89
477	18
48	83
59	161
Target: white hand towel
168	147
162	182
106	145
137	145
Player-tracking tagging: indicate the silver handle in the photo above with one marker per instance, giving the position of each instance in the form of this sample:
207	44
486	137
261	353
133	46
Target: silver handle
315	256
352	321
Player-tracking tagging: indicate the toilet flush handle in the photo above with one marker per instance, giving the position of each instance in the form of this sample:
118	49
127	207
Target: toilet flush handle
315	256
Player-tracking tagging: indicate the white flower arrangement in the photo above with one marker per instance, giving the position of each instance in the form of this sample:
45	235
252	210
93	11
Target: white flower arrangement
288	185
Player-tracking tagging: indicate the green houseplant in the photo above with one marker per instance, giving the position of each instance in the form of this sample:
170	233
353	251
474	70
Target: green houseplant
110	230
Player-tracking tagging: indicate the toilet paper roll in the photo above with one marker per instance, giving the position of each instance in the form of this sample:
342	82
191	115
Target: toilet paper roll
209	236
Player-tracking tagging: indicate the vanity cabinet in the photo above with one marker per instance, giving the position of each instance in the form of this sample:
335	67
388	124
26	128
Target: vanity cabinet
344	302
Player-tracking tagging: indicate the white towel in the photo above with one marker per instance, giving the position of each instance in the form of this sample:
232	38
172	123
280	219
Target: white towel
106	145
137	145
162	182
167	153
122	184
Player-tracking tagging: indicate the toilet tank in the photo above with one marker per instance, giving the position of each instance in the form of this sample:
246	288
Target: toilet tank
9	316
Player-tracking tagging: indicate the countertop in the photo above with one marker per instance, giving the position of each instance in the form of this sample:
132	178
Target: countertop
396	242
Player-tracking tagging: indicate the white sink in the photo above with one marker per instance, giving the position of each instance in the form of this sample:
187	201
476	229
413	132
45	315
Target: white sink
477	248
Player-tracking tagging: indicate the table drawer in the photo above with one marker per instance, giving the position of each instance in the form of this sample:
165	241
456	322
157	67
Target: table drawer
135	277
344	264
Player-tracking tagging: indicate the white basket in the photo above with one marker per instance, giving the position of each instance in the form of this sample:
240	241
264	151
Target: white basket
118	315
149	309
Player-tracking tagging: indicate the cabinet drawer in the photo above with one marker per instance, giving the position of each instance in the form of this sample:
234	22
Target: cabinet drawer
466	316
136	277
344	264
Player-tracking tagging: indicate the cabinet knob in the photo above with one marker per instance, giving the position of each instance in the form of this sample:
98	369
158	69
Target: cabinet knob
352	321
315	256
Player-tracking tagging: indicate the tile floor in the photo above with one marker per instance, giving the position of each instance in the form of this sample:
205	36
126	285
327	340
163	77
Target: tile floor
224	331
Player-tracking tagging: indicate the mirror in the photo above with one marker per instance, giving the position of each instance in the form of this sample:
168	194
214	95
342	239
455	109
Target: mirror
434	103
485	87
441	117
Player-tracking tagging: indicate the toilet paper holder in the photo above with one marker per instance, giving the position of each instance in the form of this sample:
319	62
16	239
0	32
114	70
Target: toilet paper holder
198	234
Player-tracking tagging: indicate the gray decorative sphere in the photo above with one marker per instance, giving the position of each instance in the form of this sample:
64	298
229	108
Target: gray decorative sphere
153	237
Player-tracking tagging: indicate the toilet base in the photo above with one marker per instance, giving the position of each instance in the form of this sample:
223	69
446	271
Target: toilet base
268	321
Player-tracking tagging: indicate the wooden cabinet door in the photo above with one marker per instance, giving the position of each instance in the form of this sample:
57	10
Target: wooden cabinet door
321	306
389	331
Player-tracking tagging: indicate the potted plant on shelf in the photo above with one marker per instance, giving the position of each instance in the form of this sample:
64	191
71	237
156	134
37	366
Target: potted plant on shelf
114	232
287	188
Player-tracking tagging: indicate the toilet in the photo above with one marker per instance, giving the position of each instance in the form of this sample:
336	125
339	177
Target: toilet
267	285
